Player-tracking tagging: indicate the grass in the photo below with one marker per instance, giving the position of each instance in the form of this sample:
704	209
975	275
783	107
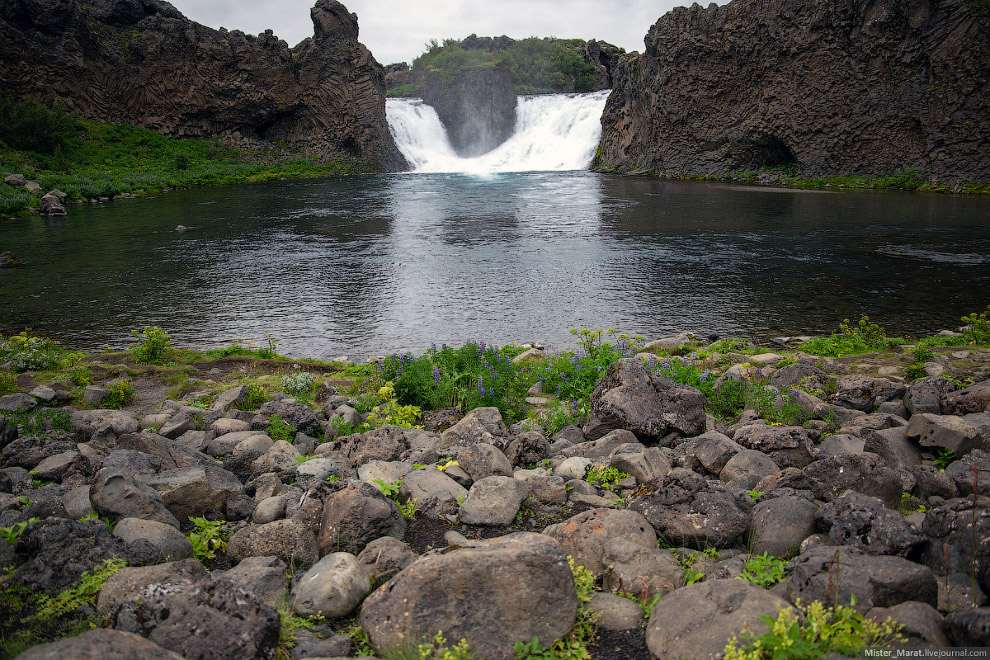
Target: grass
89	160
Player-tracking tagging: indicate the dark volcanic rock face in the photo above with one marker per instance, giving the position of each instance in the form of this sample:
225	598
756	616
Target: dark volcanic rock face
142	62
844	87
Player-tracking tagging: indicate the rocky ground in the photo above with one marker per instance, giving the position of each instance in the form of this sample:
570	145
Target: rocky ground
467	526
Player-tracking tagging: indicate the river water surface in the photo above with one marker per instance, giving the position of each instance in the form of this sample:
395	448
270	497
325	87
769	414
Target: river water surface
375	264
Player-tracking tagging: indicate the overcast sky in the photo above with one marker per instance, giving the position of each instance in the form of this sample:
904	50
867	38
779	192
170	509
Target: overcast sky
396	30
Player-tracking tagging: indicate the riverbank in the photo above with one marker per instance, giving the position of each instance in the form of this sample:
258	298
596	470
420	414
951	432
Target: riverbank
92	161
849	469
908	180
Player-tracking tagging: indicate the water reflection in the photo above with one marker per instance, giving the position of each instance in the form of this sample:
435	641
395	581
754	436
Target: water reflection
372	264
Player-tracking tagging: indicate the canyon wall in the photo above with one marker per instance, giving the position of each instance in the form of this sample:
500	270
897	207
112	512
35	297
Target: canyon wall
142	62
866	87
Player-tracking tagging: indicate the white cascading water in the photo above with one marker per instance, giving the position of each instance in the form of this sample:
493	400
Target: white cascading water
554	132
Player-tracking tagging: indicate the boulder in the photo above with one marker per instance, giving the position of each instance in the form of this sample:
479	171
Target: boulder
18	401
354	514
748	462
862	521
653	408
100	644
696	622
493	501
172	545
707	453
116	494
482	460
971	473
201	621
864	473
968	627
230	398
384	557
86	422
297	415
586	535
493	594
262	576
269	510
650	463
613	612
953	543
946	431
631	567
790	445
925	396
421	484
192	491
280	456
333	587
686	509
177	425
780	524
601	449
382	444
289	540
972	399
480	425
236	442
892	445
129	581
528	449
833	574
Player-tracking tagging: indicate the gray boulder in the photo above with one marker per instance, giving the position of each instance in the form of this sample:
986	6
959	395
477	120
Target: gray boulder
953	543
100	644
333	587
201	621
289	540
172	545
297	415
493	594
86	422
480	425
780	524
863	521
838	574
382	444
864	473
695	623
707	453
118	495
686	509
971	473
973	399
18	401
262	576
968	627
892	445
791	444
585	535
384	557
528	449
749	462
633	568
176	425
354	514
421	484
613	612
630	397
493	501
192	491
925	396
129	581
650	463
482	460
946	431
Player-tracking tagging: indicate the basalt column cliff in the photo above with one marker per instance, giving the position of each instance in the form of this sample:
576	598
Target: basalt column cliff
831	87
142	62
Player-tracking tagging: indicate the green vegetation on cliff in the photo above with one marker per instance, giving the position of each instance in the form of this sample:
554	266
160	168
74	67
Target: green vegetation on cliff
538	66
88	160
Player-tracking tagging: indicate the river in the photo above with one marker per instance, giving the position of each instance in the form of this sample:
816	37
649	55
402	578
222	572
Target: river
374	264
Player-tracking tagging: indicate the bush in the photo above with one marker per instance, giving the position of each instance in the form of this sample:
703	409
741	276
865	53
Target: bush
825	630
852	339
153	347
30	126
301	383
29	353
121	393
8	382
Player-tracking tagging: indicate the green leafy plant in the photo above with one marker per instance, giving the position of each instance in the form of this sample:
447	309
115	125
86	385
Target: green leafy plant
851	339
278	429
764	570
256	396
389	489
979	330
208	538
824	630
409	509
391	412
27	352
37	422
606	477
342	427
154	346
81	376
574	645
533	650
434	648
8	382
289	624
119	394
85	592
944	458
12	533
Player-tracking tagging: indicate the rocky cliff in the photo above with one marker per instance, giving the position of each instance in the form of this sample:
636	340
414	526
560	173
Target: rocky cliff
840	87
142	62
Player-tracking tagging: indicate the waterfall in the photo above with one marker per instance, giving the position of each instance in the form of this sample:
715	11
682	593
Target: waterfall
553	132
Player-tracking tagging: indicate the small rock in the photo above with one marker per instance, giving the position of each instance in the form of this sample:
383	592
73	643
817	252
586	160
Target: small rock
333	587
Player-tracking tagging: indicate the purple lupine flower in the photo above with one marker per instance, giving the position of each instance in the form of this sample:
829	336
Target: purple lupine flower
436	375
481	386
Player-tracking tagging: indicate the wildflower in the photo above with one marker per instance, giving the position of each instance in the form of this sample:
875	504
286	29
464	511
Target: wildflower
436	375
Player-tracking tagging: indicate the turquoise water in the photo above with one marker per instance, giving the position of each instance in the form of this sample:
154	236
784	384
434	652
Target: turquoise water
369	265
